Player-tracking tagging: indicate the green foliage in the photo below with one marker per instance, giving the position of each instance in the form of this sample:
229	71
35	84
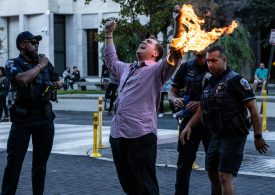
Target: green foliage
130	32
258	16
63	92
87	1
238	51
127	37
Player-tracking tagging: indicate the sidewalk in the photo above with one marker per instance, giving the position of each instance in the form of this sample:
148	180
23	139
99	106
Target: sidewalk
269	98
88	102
74	175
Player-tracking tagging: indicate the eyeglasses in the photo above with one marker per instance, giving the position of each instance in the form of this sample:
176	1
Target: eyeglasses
33	42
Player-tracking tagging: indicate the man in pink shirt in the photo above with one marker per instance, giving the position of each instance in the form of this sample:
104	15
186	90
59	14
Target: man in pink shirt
133	136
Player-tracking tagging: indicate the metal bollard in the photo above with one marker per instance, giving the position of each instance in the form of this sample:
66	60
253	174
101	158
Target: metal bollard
100	145
264	129
95	152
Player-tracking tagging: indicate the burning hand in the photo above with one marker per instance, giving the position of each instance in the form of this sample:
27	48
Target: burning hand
176	54
194	38
177	13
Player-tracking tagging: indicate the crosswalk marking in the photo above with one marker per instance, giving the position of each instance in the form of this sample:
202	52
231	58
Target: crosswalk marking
78	139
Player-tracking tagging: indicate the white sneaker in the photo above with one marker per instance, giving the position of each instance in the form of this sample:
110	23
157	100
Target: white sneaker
161	115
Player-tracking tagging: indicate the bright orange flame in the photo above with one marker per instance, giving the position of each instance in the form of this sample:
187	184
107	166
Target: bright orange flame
195	38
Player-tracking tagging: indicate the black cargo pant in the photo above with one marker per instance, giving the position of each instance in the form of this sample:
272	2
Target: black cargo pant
135	161
187	156
42	132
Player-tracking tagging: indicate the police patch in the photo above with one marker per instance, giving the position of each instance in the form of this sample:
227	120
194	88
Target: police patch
245	84
9	64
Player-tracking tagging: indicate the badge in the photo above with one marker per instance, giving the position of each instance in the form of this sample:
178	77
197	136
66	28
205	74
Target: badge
191	73
220	88
245	84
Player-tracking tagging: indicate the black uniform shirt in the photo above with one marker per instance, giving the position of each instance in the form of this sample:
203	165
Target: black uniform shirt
238	86
179	82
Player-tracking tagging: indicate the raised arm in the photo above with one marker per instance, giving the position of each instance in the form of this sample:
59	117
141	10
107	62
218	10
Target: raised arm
174	56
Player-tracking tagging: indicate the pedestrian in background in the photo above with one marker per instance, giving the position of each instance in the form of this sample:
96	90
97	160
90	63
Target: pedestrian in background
104	73
66	77
164	93
74	77
4	89
34	81
261	76
226	98
133	136
189	78
111	92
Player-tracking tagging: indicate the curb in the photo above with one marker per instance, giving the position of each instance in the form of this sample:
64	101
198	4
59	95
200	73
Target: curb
95	97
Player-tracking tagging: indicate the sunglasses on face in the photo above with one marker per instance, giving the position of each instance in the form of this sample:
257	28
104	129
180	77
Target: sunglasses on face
200	55
33	42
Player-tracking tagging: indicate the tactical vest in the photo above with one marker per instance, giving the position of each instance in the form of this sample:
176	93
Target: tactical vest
193	80
223	113
35	93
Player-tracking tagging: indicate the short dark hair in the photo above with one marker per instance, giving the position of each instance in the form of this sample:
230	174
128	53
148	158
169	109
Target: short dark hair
217	48
159	48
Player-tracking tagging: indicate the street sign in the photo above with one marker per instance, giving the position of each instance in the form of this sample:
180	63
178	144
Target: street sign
272	37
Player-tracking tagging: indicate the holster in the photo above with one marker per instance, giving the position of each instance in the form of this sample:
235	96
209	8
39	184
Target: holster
21	114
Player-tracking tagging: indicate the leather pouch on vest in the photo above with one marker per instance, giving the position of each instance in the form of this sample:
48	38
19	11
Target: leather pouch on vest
21	115
48	112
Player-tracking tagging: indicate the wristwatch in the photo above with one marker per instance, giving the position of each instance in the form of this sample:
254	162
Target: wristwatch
258	136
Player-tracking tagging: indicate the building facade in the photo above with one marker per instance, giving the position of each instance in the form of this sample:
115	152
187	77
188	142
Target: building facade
69	29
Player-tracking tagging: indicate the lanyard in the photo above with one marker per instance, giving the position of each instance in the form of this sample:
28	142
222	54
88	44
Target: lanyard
133	68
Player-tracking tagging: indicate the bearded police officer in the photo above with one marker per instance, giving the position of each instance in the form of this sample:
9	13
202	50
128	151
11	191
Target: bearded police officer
189	78
34	83
226	98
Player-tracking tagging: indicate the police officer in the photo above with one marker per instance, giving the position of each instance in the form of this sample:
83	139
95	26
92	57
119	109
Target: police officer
225	100
34	82
189	78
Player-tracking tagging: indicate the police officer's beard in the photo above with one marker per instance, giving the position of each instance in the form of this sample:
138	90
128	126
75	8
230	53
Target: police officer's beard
32	55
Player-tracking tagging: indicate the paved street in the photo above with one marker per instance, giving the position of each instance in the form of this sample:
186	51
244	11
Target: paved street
71	171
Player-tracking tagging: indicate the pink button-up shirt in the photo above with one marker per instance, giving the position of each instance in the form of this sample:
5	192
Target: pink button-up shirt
138	102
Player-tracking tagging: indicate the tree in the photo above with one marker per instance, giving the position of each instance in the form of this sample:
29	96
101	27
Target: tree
130	32
258	15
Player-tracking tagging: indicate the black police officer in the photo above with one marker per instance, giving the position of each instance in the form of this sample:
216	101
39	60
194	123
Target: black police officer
34	83
225	100
189	77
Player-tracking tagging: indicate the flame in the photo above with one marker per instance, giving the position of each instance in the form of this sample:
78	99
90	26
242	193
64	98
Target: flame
194	38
